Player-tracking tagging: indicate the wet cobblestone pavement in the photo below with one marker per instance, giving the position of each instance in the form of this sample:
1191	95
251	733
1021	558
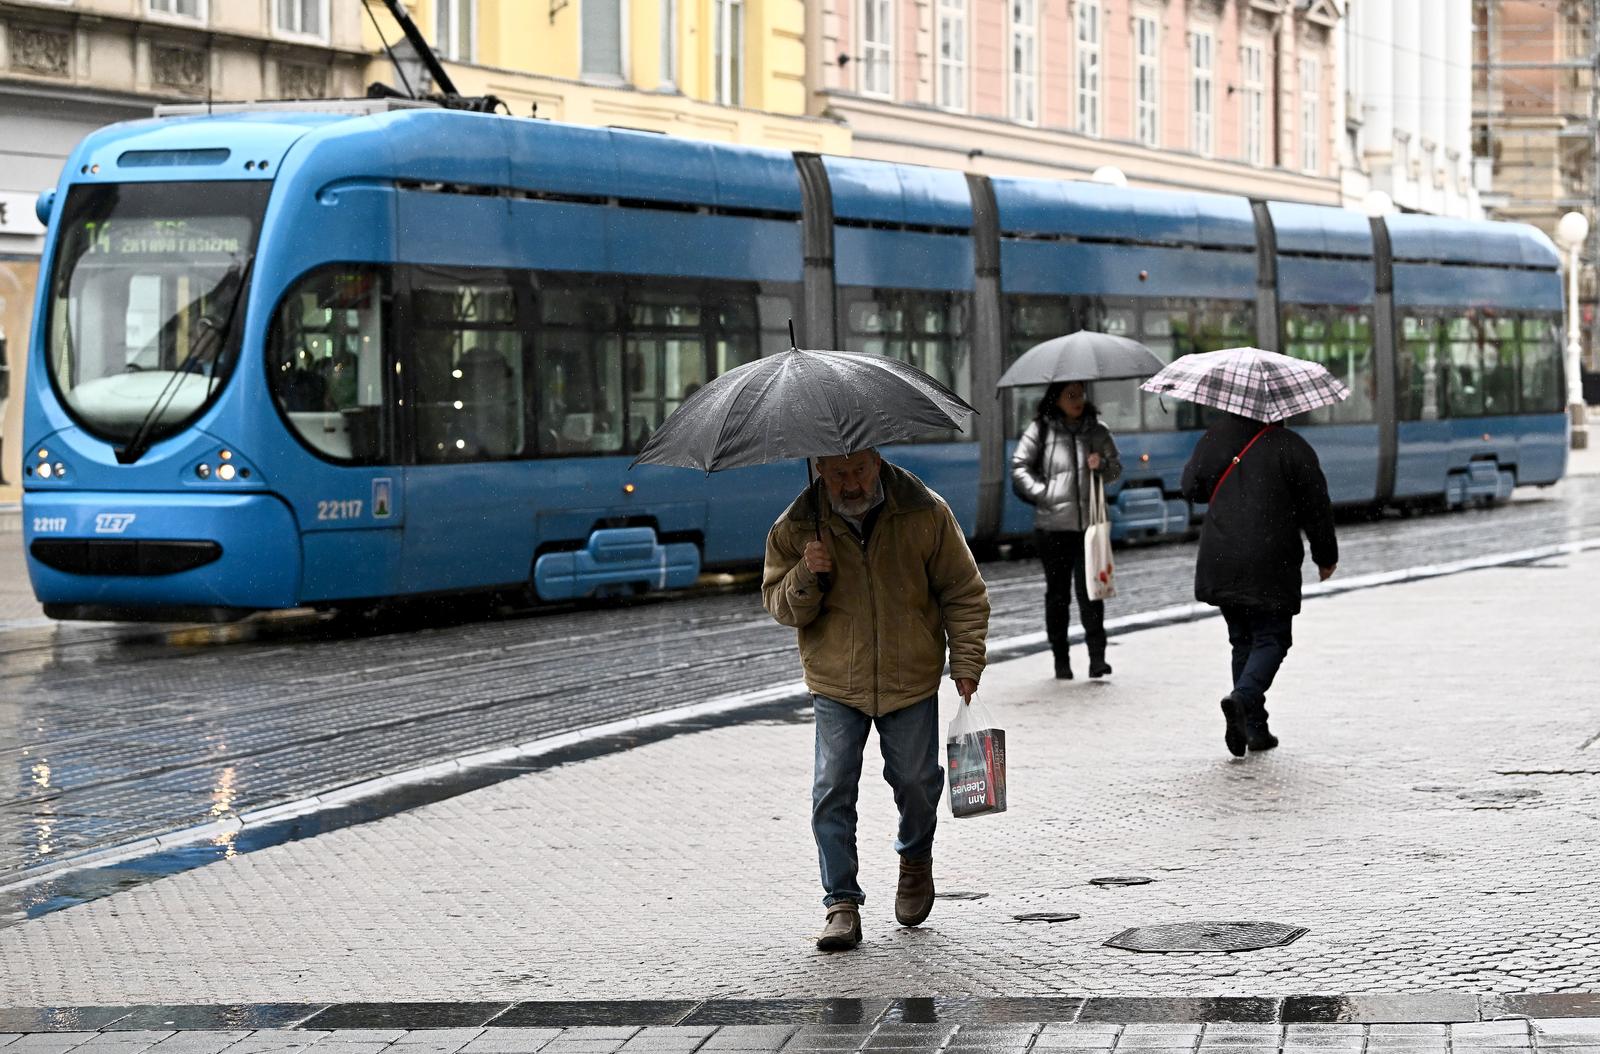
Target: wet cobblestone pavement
1430	820
1052	1036
112	734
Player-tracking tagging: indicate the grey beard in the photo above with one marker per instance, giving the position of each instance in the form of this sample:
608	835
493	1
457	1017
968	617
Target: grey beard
855	509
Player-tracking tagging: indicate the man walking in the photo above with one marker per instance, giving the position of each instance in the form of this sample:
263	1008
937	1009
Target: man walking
875	600
1263	486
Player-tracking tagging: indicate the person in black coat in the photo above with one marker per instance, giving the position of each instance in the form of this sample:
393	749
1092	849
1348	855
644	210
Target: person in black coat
1263	486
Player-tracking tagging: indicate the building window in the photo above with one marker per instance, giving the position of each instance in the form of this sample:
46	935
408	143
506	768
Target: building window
1025	61
1310	121
1254	102
669	44
1147	80
953	54
877	47
729	55
453	26
308	18
179	8
1089	67
1202	93
602	39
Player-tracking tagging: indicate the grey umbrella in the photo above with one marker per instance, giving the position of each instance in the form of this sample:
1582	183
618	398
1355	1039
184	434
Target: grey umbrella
1081	356
803	404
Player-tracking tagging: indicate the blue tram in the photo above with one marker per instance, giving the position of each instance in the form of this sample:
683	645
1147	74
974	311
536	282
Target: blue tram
328	357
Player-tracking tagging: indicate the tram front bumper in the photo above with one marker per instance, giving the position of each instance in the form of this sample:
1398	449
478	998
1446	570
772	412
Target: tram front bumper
160	556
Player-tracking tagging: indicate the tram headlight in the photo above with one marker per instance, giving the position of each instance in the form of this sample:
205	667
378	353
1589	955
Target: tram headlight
203	470
44	471
225	472
61	468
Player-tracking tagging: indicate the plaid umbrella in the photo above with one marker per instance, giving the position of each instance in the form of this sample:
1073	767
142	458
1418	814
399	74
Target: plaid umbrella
1261	385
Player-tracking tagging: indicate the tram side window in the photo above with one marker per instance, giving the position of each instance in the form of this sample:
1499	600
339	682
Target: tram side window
1340	339
926	329
1464	368
466	367
614	357
1541	367
1498	342
1031	320
578	367
1419	368
325	363
665	360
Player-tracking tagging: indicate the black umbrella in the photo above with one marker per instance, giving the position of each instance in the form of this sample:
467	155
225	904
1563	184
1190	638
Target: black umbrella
1081	356
803	404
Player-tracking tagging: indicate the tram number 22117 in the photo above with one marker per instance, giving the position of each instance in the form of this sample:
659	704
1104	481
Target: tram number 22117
339	510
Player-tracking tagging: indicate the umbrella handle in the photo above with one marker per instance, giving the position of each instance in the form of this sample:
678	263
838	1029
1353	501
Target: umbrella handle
824	580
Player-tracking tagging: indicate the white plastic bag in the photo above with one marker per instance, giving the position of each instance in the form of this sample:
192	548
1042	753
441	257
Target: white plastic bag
977	757
1098	565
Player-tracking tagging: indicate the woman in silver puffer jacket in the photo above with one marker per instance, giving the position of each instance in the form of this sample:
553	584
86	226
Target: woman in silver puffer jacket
1051	469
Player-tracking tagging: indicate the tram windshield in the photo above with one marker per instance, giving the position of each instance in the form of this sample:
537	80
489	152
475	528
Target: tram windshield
143	300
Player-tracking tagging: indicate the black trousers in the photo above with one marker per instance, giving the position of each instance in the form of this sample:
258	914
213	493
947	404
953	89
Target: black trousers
1260	640
1061	552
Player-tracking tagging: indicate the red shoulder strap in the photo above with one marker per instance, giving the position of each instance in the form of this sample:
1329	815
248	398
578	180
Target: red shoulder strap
1235	461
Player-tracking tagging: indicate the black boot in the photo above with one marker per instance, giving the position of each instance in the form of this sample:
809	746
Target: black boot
1098	667
1233	734
1257	736
1063	668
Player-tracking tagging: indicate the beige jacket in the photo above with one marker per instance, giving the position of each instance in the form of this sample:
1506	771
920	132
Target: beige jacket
876	640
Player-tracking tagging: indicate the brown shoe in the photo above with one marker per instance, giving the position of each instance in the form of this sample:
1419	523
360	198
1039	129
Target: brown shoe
914	899
843	930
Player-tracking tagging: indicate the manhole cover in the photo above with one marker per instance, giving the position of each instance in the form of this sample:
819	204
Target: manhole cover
1047	916
1206	937
960	894
1121	880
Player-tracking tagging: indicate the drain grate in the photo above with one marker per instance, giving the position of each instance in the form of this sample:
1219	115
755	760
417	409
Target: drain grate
960	894
1207	937
1121	880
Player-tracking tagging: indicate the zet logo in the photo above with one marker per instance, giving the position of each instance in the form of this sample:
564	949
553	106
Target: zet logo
113	522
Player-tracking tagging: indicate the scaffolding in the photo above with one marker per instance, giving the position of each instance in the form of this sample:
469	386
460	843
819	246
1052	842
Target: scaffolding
1536	121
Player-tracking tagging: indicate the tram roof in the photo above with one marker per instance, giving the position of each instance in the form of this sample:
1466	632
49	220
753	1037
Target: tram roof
1320	230
1094	210
429	144
1417	238
912	195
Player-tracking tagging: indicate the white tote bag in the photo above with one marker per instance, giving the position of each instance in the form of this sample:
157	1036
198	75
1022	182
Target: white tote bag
1097	561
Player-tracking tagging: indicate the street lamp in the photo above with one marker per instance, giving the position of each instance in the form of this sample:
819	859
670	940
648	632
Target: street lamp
1571	232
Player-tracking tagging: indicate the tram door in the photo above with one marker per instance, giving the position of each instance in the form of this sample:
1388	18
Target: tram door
466	391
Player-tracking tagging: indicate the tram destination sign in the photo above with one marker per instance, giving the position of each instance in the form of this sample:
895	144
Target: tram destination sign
205	236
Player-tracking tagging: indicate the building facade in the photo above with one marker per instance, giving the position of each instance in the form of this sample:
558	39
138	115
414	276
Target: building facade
1536	119
68	67
727	70
1406	98
1226	95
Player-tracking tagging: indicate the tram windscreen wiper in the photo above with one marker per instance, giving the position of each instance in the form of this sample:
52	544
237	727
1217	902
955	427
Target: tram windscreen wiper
211	340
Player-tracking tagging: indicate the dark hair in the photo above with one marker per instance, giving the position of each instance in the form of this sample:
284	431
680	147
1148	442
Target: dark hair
1049	410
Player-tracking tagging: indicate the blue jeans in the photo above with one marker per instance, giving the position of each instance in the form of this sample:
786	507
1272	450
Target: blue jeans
910	742
1260	640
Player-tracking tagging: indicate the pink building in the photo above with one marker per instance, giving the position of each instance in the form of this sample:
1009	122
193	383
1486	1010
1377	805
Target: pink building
1227	95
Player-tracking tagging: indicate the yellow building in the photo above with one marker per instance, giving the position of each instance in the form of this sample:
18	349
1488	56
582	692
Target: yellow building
728	70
